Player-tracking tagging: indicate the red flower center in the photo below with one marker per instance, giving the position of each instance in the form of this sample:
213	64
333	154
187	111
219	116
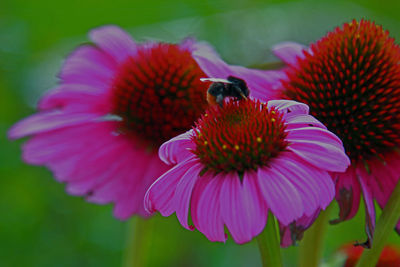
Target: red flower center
158	93
239	136
351	81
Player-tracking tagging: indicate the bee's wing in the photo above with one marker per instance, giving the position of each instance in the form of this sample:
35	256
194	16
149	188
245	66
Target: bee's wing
215	80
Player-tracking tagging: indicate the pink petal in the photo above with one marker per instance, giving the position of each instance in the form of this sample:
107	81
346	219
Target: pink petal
183	193
242	209
160	195
88	65
288	106
177	149
47	121
302	120
315	187
205	207
76	98
289	52
280	195
64	143
116	42
132	198
327	156
315	134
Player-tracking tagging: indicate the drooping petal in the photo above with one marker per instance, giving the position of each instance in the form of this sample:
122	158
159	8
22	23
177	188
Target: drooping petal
302	120
131	200
116	42
76	98
369	205
347	194
289	52
281	197
88	65
293	232
160	195
315	186
47	121
288	106
183	193
242	208
320	154
206	209
177	149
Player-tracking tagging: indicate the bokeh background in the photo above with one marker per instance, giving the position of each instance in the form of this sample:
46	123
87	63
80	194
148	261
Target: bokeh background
40	225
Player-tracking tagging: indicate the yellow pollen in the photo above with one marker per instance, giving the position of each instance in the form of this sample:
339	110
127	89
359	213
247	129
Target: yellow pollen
259	139
224	147
205	143
206	115
273	112
236	147
273	120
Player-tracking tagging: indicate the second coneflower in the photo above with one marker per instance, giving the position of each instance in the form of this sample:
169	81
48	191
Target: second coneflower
100	129
351	81
243	160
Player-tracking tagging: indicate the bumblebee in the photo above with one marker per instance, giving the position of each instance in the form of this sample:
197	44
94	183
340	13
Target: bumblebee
222	88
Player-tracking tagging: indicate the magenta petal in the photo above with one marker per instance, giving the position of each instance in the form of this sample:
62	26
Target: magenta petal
302	120
114	41
132	198
316	187
46	121
280	195
241	207
160	195
288	106
289	52
205	207
320	154
177	149
183	193
90	66
315	134
78	97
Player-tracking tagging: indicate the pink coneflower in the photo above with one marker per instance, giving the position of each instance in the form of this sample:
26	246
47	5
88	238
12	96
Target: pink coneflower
242	161
351	81
100	129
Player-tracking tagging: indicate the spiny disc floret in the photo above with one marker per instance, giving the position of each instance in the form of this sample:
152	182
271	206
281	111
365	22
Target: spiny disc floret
351	81
158	93
242	135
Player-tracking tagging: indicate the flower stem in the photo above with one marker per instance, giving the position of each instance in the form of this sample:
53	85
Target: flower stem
384	227
311	247
137	248
268	243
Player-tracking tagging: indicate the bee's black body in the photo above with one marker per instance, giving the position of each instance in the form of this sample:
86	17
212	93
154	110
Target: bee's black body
234	87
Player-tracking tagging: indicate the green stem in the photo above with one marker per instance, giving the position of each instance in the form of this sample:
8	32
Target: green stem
384	227
137	248
268	243
311	247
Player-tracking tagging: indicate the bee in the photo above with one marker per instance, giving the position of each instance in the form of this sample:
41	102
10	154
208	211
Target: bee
222	88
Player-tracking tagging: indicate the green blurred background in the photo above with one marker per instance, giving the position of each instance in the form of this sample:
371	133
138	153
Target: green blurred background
40	225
